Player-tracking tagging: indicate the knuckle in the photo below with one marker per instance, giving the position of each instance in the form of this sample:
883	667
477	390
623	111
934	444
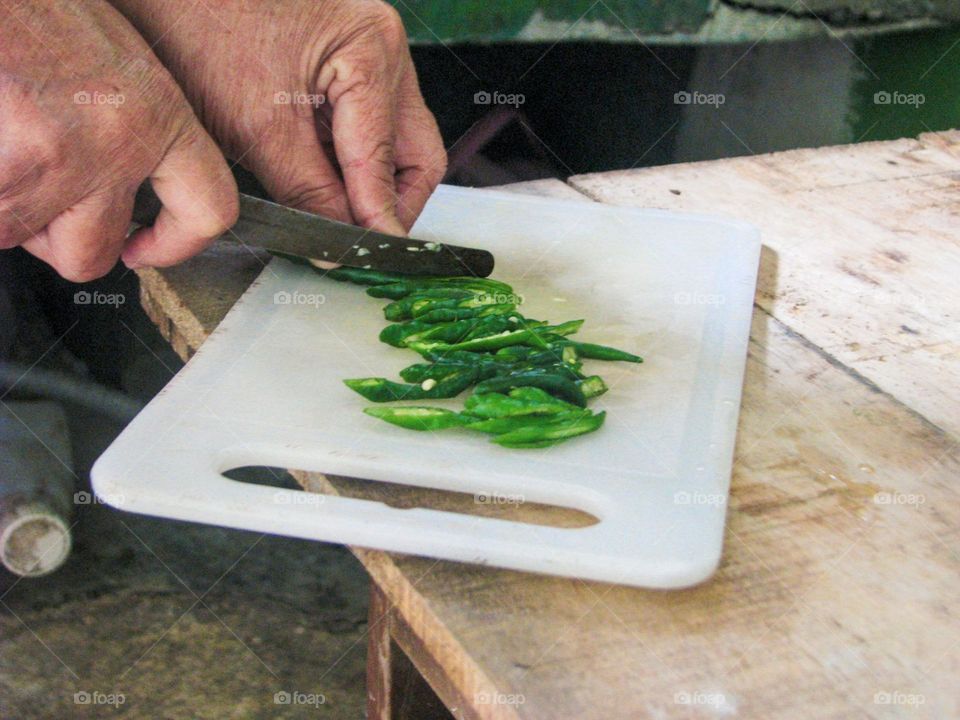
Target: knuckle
389	24
357	75
84	270
378	160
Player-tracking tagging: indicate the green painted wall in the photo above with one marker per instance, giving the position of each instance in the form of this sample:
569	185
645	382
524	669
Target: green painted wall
923	64
428	21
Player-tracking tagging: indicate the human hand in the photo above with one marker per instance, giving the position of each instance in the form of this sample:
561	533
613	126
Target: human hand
319	99
88	112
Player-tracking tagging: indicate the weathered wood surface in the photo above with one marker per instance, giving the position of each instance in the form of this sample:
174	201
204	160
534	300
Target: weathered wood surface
838	593
863	249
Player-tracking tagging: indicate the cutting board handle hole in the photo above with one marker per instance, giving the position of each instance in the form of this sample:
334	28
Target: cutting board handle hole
502	506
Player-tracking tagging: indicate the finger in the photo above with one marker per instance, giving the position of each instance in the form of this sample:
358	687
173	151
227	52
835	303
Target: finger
25	214
364	113
420	156
293	167
84	242
199	197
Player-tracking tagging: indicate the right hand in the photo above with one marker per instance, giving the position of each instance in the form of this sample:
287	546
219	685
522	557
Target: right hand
88	112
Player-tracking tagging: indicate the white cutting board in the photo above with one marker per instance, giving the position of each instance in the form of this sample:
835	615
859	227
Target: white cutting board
266	389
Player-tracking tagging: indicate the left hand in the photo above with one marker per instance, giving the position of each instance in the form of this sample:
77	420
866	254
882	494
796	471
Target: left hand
318	99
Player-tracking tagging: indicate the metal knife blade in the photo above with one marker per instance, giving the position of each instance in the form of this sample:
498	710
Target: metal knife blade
275	227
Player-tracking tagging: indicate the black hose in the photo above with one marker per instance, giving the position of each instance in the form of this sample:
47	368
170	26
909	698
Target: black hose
69	389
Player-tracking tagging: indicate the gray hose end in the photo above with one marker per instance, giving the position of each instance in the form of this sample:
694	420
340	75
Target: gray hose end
34	540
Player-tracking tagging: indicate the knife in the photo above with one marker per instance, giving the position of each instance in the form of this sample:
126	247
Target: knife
281	229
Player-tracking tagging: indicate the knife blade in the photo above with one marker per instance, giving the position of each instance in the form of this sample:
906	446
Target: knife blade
276	227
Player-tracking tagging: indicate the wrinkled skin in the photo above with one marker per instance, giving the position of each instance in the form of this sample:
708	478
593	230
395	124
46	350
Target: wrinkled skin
319	99
87	113
354	142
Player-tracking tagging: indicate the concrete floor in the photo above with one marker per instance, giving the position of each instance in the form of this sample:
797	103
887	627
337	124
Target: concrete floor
182	620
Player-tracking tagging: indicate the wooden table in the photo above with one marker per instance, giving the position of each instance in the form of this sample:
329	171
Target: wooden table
839	592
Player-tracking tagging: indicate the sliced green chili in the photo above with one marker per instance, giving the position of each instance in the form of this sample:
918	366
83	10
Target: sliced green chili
418	418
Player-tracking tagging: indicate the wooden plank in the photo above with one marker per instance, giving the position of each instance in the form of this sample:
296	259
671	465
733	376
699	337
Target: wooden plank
862	250
830	601
379	660
827	599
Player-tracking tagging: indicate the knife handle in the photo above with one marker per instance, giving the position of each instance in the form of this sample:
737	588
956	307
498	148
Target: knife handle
147	205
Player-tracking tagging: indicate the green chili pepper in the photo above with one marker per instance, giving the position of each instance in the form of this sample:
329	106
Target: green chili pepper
485	327
530	389
557	385
567	328
424	371
383	390
494	342
496	405
429	371
418	418
481	285
537	444
560	428
362	276
499	426
394	291
406	285
602	352
425	305
397	333
296	259
515	353
448	314
592	386
403	309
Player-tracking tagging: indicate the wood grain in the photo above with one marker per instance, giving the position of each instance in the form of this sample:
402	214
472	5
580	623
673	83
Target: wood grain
840	582
863	250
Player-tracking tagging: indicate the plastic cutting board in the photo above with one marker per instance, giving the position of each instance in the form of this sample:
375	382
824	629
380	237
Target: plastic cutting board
266	389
